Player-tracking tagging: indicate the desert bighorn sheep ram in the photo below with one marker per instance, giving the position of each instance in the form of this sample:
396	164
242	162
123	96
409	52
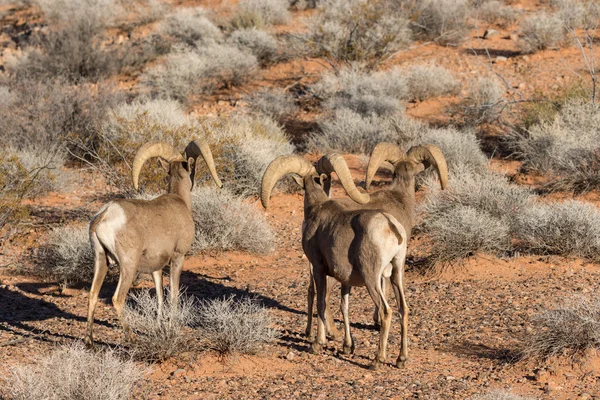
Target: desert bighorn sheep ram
398	199
356	247
147	235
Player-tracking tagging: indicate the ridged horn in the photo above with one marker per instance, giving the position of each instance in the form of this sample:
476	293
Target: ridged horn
279	167
150	150
335	163
199	147
430	154
382	152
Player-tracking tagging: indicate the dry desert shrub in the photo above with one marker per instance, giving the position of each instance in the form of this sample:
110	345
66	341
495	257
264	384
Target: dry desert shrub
484	101
350	132
362	92
23	175
259	13
500	395
243	146
461	148
191	26
357	31
442	21
541	31
43	115
201	70
67	255
229	326
72	372
497	13
273	103
475	214
427	81
566	148
257	42
579	14
461	231
129	126
571	228
158	335
224	222
570	329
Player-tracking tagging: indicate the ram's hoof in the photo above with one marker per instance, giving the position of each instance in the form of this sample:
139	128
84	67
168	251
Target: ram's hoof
316	347
401	362
376	365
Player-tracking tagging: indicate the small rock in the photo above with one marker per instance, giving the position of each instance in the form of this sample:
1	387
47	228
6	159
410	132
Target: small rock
290	356
514	37
490	33
501	59
584	396
178	372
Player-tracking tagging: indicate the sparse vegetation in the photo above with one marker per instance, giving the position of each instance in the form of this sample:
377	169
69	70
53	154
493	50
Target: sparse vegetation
571	228
442	21
243	147
158	335
565	147
224	222
72	372
570	329
362	92
461	148
43	115
541	31
352	132
500	395
272	103
191	26
67	255
427	81
346	32
259	43
485	100
258	13
200	70
231	326
497	13
475	214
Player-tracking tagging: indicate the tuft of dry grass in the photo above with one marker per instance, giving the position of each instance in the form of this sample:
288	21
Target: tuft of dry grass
427	81
570	329
72	372
67	255
260	13
500	395
542	31
158	335
225	222
357	31
229	326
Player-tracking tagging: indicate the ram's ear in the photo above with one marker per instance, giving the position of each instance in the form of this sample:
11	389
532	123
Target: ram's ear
190	163
299	180
322	179
420	168
163	164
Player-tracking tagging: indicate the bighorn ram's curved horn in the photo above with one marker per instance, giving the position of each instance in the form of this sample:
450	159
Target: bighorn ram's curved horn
199	147
382	152
278	168
335	163
430	154
150	150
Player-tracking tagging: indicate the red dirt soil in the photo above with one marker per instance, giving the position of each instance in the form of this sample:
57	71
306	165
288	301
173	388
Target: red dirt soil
466	325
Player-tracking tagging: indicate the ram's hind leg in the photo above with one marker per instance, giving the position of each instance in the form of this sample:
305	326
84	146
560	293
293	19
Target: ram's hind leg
100	269
128	273
157	277
344	306
310	302
398	283
321	285
376	292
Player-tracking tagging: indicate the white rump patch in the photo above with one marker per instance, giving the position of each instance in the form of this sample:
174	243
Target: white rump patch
113	221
